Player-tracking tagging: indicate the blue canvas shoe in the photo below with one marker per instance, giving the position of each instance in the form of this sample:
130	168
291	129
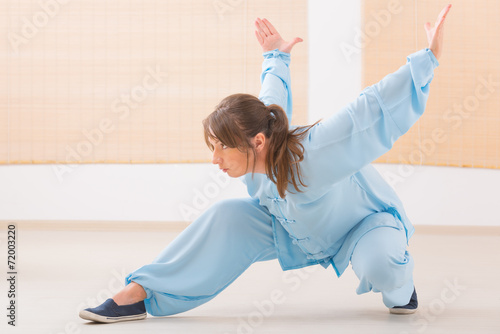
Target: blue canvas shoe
409	308
109	312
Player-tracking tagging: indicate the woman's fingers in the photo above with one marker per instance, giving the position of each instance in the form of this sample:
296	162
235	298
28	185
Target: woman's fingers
259	30
262	28
443	13
259	38
269	26
297	40
427	26
257	26
288	47
440	23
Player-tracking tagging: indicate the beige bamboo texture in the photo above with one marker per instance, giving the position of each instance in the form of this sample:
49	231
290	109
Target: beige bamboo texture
102	81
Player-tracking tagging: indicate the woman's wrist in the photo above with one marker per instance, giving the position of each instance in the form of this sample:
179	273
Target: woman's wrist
434	53
276	53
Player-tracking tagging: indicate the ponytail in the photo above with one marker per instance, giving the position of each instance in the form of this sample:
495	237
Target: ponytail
285	151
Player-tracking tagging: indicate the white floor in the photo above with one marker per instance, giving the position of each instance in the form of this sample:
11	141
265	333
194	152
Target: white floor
457	279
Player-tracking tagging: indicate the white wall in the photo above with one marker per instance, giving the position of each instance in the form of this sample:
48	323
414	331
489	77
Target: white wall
432	195
128	192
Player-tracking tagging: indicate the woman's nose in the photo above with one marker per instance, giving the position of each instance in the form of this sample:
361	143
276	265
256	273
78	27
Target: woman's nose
215	159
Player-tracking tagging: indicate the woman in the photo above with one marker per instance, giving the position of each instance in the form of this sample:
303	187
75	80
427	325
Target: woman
314	197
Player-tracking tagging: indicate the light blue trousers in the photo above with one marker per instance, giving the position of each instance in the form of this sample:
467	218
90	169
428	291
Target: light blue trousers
227	238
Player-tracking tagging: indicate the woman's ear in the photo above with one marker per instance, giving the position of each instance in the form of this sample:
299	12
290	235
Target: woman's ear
259	142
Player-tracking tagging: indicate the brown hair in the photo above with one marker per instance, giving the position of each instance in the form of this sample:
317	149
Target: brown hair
240	117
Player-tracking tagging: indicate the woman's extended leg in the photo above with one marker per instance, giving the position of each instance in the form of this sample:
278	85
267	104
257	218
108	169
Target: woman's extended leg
206	257
382	264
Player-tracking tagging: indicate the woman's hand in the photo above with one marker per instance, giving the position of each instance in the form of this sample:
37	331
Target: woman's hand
435	34
270	39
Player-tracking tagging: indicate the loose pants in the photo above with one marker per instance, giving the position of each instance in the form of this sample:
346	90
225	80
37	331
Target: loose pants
227	238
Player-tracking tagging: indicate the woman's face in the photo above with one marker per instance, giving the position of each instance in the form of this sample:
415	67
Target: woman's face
231	160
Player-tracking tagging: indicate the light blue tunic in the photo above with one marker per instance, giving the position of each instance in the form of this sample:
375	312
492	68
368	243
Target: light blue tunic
325	222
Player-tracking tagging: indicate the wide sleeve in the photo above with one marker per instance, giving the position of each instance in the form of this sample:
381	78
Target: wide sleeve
275	80
368	127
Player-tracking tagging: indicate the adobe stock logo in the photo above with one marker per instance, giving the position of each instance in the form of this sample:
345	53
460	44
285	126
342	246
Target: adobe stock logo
362	38
430	313
31	28
264	309
202	196
122	107
453	117
223	6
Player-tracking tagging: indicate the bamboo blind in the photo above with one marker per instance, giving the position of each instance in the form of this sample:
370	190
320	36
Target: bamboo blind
461	124
121	81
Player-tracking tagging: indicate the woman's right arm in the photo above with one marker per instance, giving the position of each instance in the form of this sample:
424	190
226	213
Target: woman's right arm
275	78
275	81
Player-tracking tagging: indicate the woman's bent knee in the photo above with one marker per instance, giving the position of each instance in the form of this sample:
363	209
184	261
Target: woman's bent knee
380	257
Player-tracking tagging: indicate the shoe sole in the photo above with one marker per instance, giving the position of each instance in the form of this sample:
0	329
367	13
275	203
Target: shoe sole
402	310
99	318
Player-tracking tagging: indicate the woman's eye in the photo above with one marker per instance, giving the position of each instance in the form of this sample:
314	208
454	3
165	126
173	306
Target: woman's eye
223	146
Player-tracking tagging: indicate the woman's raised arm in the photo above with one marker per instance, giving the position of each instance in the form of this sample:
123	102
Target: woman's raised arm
275	78
368	127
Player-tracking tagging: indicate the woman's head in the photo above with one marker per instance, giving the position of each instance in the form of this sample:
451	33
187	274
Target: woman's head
248	136
237	132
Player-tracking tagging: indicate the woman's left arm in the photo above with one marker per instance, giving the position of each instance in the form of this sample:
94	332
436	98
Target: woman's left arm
368	127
